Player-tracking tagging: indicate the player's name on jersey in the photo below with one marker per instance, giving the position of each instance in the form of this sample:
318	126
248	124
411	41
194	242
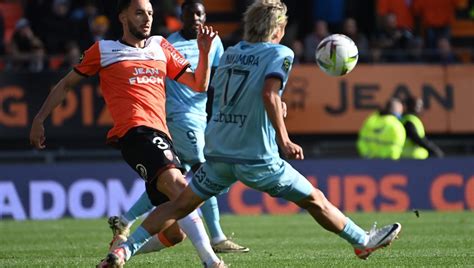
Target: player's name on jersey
242	59
238	119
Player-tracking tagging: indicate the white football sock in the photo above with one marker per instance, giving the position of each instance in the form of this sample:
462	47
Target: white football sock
194	228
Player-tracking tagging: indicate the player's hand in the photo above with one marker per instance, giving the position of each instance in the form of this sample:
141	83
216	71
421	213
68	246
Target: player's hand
292	150
204	38
37	137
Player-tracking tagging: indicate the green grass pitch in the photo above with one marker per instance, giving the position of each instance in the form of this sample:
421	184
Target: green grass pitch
433	239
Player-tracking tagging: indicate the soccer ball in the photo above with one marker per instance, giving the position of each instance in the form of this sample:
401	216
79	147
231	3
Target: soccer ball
337	55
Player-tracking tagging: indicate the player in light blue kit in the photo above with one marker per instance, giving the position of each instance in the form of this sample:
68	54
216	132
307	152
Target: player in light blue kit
246	128
186	120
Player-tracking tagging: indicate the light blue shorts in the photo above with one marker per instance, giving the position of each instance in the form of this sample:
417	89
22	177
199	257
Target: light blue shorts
279	179
188	140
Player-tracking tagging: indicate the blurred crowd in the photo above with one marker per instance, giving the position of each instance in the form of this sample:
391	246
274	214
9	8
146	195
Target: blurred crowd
398	31
51	34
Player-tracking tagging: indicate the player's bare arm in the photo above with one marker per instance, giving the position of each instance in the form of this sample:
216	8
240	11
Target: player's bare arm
55	97
275	111
284	108
199	80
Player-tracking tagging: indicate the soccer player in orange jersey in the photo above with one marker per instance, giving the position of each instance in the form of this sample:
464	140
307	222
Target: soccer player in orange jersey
132	73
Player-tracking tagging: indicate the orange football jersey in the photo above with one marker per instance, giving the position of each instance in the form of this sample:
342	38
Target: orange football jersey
132	81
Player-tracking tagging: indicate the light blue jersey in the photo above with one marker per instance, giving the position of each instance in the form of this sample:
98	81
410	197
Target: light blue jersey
240	130
182	101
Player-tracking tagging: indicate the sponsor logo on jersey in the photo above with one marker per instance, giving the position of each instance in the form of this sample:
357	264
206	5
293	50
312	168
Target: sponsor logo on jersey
149	71
146	80
146	76
141	169
286	65
173	52
238	119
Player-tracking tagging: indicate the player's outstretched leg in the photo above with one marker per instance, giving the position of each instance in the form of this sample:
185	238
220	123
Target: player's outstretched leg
332	219
172	183
191	225
220	242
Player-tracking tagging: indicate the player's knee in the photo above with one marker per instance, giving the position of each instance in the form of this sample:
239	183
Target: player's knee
172	184
316	200
319	199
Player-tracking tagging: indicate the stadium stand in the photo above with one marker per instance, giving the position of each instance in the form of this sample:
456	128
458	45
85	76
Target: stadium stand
225	16
12	11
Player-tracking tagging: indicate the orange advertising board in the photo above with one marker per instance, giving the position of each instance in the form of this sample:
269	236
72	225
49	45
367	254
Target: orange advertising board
461	78
318	103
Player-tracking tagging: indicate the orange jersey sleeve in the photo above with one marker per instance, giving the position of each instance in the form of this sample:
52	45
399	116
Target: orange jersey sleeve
90	61
176	63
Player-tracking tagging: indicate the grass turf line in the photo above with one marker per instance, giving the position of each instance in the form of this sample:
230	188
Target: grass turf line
440	239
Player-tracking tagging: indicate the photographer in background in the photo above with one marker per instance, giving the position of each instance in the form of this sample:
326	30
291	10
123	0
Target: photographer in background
382	135
416	146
